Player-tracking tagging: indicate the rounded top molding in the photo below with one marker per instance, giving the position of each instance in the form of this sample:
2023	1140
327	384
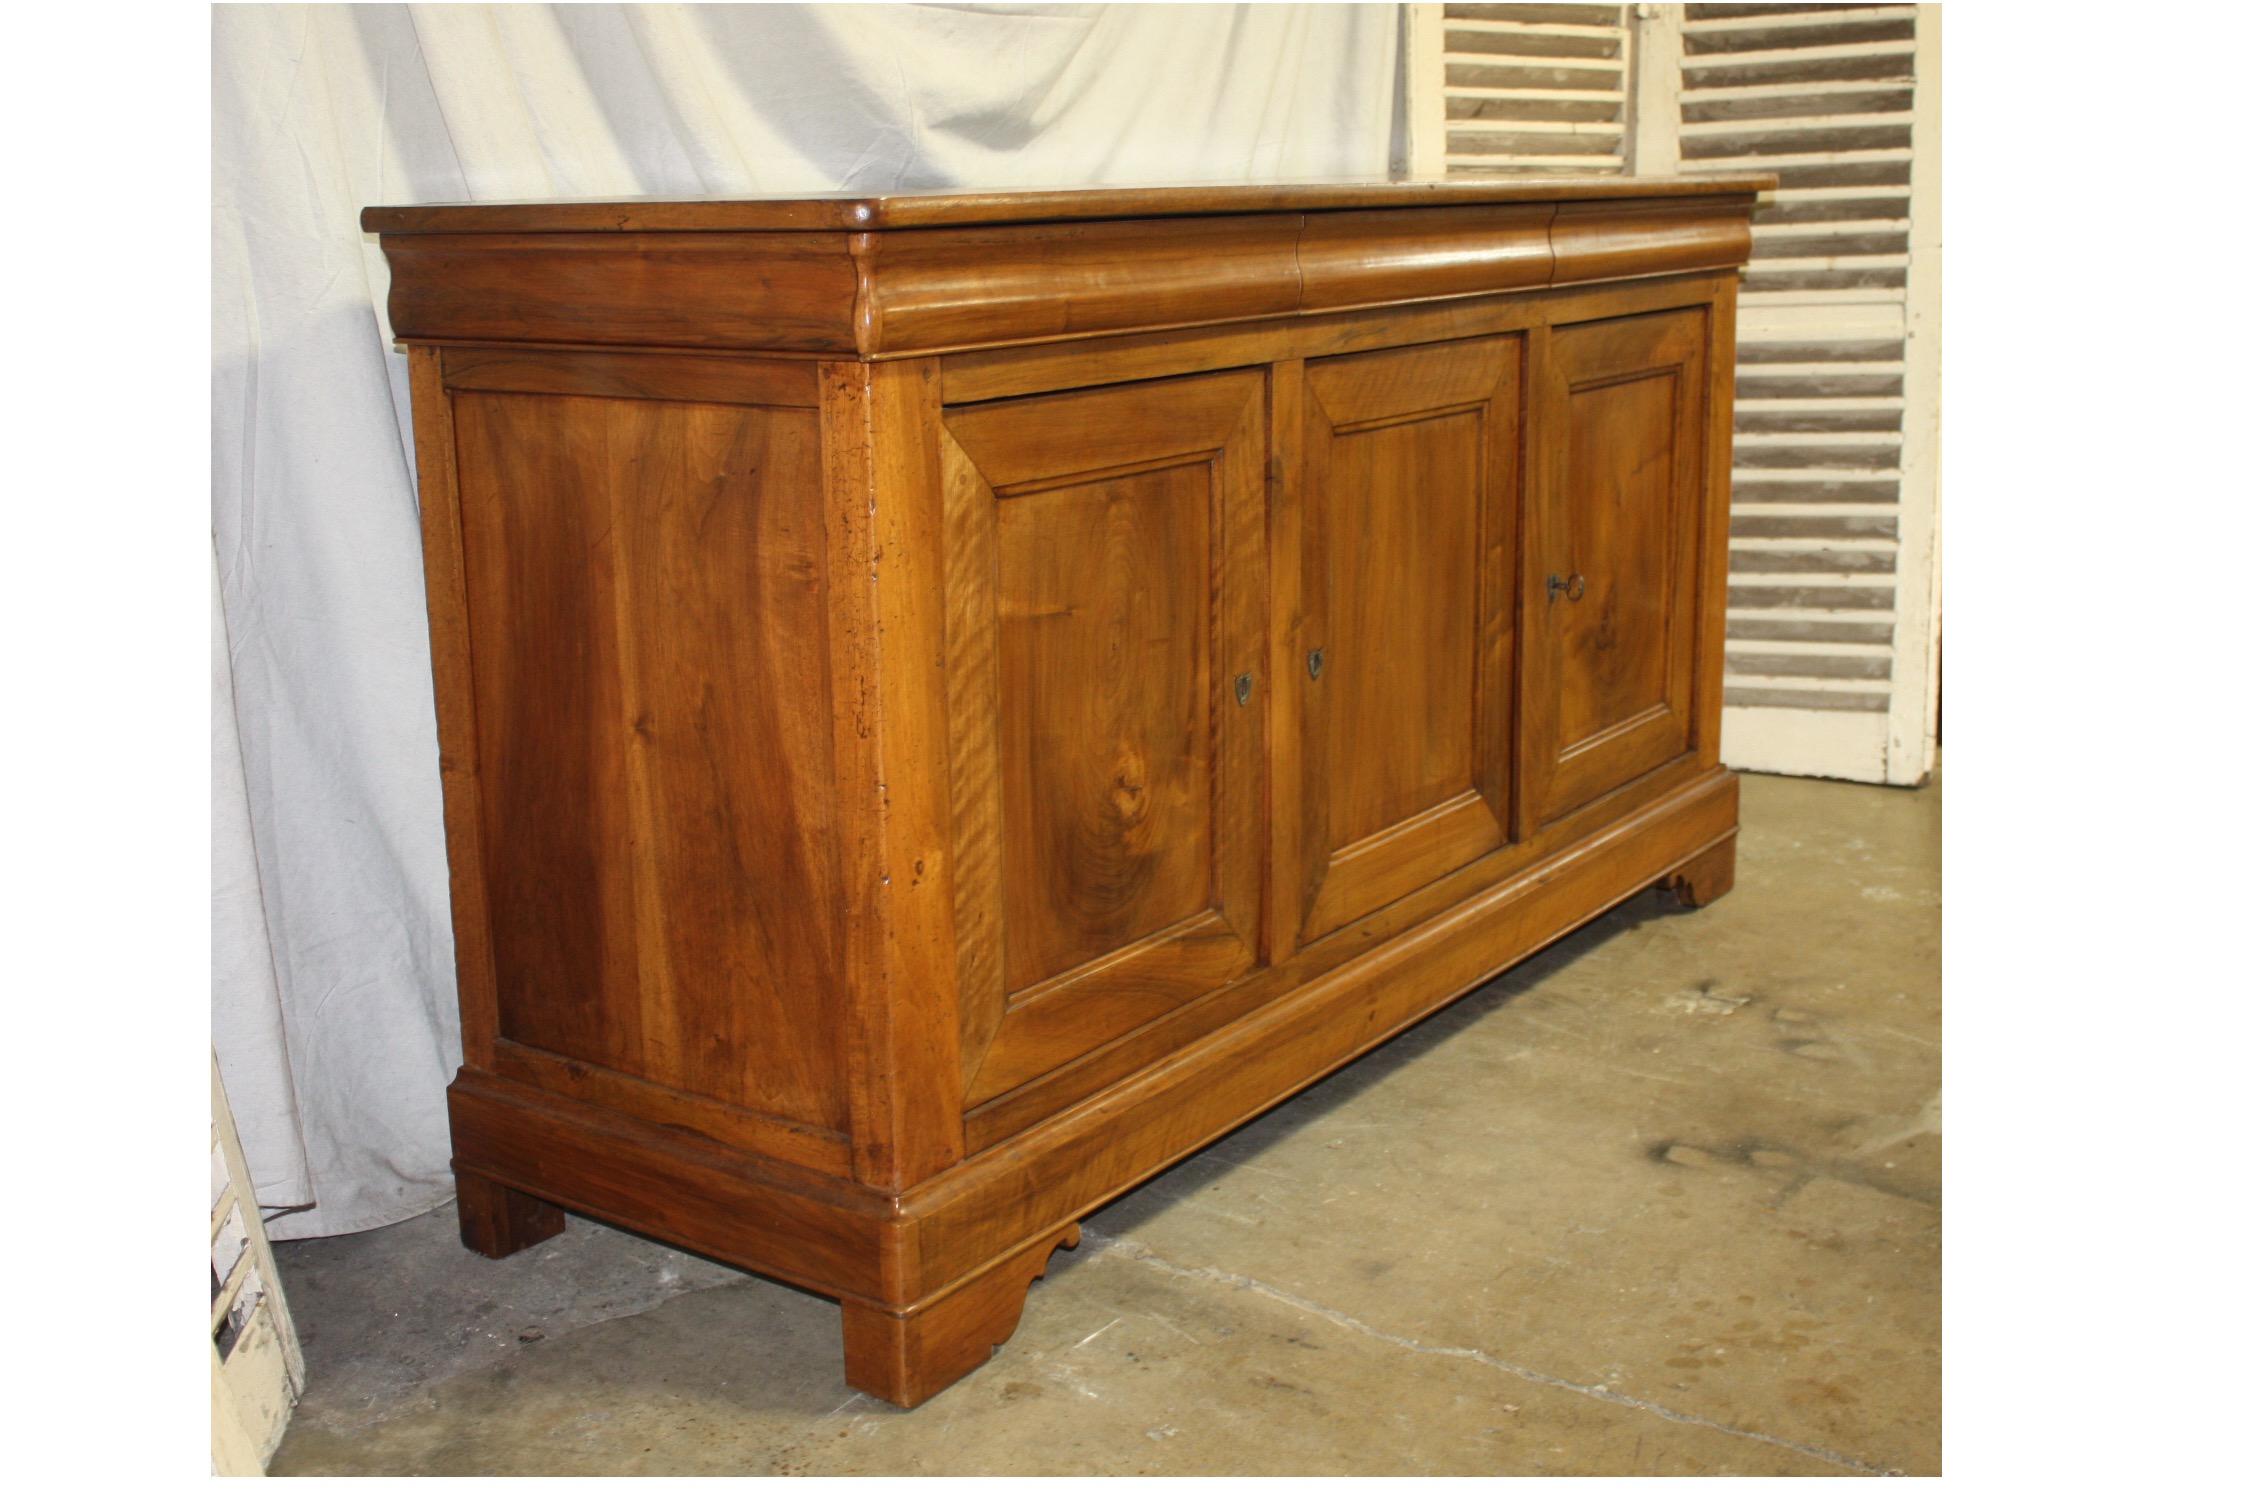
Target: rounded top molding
933	274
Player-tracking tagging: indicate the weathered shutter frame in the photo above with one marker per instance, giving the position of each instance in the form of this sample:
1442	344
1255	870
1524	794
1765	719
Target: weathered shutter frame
257	1367
1914	715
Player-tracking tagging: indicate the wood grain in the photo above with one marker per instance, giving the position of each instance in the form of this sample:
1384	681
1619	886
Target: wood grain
826	1149
645	586
746	292
1594	241
1391	256
949	289
1107	755
620	373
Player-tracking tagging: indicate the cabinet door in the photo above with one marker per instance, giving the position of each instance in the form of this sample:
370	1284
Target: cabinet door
1402	671
1105	632
1613	554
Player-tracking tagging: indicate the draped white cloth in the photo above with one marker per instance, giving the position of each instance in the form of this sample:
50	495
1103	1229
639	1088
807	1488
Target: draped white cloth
333	986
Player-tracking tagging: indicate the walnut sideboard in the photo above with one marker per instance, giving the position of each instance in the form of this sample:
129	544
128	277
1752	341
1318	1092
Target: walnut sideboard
948	704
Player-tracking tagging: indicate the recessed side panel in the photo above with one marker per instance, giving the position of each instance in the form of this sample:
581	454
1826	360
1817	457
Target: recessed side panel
646	599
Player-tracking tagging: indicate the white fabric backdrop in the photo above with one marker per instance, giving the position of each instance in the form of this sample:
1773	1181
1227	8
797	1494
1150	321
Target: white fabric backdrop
333	964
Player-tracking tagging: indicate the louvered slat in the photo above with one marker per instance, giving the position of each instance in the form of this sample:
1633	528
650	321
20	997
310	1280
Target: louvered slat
1535	86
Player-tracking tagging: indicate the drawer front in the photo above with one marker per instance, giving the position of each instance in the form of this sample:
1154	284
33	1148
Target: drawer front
1613	559
1411	464
1105	631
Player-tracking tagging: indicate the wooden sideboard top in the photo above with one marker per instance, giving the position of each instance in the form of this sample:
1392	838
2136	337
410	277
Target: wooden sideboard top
899	211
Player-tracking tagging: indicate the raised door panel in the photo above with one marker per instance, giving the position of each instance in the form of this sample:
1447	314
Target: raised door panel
1613	560
1105	614
1408	522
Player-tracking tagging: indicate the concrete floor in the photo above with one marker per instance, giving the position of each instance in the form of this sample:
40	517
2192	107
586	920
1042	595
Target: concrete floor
1664	1200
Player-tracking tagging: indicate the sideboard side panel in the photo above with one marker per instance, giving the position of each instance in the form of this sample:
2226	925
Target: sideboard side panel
644	599
437	500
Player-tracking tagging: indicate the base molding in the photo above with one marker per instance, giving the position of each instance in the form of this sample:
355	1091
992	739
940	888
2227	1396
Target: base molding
824	1234
1067	1166
933	1277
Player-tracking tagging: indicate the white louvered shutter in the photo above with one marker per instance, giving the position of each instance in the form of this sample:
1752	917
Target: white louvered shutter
1829	660
1831	653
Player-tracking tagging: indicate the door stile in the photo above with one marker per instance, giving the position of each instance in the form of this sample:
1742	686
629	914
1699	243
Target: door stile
1288	768
974	756
1539	670
1240	474
1502	526
1714	570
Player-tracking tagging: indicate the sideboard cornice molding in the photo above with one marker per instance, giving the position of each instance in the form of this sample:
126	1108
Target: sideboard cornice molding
944	284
